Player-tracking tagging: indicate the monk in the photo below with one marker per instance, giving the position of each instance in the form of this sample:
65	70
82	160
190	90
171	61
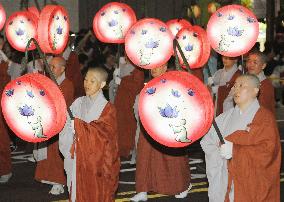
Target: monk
255	64
89	143
73	72
50	167
160	169
130	85
222	82
5	151
252	149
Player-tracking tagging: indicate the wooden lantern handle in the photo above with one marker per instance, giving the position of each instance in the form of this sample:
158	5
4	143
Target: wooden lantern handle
46	66
176	45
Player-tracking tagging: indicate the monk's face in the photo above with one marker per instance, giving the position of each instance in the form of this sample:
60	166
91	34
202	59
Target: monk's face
159	71
92	83
244	91
254	64
228	62
56	67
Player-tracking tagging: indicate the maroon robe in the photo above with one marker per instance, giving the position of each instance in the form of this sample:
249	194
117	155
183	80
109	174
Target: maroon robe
5	151
97	158
73	73
159	172
255	165
266	95
52	168
129	87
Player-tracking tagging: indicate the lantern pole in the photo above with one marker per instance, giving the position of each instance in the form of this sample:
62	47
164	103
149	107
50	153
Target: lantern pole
176	45
46	66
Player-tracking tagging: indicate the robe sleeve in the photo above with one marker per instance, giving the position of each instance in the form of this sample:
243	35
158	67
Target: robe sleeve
262	136
97	143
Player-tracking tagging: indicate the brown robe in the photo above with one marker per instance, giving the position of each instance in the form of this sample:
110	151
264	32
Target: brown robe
223	92
266	95
97	158
52	168
255	165
198	73
158	171
129	87
5	151
73	73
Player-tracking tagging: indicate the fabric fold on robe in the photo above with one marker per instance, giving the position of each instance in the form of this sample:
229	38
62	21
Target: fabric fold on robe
129	87
159	169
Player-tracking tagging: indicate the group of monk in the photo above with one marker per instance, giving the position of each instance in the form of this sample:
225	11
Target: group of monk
86	154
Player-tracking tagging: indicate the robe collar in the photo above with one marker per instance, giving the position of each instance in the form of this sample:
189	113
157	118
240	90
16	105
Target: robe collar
261	76
61	78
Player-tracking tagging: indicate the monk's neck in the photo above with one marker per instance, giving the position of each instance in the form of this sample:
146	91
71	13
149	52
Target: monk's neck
243	107
228	68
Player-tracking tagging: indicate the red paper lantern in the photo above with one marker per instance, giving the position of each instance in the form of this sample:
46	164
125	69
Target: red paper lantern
195	46
176	109
112	22
177	24
232	30
33	107
206	48
53	29
20	28
34	10
2	17
149	43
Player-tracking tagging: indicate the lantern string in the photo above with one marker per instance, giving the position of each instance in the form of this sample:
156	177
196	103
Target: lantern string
242	63
176	45
46	66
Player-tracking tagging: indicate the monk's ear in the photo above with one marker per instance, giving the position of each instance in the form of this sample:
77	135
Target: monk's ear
256	90
263	65
103	84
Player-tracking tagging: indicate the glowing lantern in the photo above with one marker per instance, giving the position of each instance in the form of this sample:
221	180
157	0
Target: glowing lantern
20	28
177	24
196	11
33	107
112	22
53	29
149	43
2	17
212	7
195	46
232	30
176	109
34	10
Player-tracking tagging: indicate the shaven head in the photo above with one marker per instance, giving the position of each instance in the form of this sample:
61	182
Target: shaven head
95	80
57	66
245	90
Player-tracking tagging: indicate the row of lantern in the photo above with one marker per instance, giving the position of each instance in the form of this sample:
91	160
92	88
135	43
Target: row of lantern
50	28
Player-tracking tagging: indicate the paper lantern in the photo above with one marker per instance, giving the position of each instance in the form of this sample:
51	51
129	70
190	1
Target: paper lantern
20	28
2	17
206	48
53	29
212	7
196	10
177	24
149	43
232	30
34	10
112	22
176	109
195	46
33	107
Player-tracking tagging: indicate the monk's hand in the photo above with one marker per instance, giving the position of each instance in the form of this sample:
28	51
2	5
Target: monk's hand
226	150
